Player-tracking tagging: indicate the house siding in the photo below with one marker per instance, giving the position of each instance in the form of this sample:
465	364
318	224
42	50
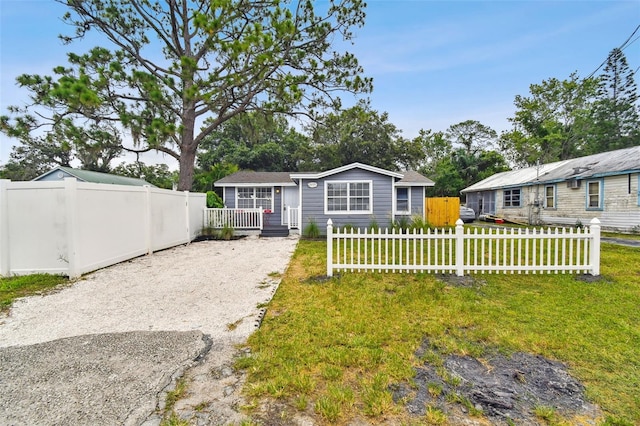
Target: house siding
619	210
313	200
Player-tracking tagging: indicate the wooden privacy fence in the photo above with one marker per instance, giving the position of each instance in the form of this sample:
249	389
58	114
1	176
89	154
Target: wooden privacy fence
442	211
459	251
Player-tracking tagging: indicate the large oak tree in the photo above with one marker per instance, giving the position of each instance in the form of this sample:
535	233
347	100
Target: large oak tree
170	72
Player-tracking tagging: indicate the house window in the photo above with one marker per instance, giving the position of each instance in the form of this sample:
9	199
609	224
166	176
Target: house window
253	198
550	197
402	201
512	197
348	197
594	195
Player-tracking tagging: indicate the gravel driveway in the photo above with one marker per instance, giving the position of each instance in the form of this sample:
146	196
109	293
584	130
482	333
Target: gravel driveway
106	349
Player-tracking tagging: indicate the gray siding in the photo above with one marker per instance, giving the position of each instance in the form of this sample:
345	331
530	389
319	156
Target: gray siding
417	200
312	201
55	176
230	197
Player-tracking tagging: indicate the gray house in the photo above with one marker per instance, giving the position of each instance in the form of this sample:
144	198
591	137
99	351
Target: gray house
356	194
604	186
60	172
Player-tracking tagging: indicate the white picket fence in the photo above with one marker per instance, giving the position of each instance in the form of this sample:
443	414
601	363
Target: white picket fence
235	218
459	251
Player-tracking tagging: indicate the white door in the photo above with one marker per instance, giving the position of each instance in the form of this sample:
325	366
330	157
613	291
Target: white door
289	199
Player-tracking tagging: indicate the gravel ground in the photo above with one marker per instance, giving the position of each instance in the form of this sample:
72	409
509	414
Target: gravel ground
187	307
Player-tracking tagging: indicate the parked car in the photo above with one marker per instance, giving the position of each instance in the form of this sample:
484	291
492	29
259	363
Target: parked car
467	214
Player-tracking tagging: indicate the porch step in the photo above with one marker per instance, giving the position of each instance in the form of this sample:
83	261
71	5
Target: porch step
275	231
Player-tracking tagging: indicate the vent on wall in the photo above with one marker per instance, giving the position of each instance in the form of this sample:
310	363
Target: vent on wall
573	184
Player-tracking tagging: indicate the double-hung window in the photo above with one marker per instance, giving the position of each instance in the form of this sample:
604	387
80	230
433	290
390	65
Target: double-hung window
594	195
550	197
253	198
348	197
512	197
402	201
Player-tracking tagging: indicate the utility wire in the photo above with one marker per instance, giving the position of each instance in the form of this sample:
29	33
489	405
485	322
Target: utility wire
622	47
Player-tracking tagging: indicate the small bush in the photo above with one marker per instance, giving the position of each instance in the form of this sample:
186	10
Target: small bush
214	201
227	231
311	230
373	225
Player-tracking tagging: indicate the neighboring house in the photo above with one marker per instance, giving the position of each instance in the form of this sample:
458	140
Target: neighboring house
356	194
604	186
60	172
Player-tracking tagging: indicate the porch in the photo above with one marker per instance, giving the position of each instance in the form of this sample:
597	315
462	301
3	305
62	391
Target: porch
247	220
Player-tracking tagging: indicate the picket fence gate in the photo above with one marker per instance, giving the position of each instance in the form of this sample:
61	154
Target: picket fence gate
460	251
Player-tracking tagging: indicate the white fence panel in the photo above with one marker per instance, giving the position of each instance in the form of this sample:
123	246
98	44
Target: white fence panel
74	227
33	226
107	224
449	251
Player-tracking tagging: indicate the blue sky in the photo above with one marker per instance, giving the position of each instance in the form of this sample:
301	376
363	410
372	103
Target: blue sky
434	63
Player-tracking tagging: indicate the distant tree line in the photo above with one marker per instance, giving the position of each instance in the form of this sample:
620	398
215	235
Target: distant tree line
231	80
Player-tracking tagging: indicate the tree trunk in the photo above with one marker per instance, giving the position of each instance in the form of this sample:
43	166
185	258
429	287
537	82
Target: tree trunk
187	163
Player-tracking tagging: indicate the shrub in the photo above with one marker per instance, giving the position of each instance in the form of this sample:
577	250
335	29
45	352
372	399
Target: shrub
214	201
311	230
227	231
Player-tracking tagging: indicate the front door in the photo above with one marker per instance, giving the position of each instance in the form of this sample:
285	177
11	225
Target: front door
289	199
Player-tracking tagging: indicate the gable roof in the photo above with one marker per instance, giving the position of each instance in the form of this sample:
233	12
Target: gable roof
621	161
412	178
249	178
95	177
320	175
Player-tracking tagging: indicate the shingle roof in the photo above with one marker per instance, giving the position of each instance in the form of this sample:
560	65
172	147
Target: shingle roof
246	178
621	161
256	178
412	178
98	177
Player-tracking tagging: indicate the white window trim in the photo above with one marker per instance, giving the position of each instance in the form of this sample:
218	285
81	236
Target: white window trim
273	191
347	212
555	197
395	201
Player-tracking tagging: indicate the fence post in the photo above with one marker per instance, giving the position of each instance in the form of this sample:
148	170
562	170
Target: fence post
5	260
71	203
329	248
148	241
459	248
594	229
187	221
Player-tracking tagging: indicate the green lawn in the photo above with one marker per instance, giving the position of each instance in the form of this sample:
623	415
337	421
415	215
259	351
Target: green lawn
14	287
331	348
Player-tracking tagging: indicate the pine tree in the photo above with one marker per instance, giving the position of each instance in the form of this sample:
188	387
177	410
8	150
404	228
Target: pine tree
616	116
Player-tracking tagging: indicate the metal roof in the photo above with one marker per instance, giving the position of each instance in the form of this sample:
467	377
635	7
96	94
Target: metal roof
97	177
621	161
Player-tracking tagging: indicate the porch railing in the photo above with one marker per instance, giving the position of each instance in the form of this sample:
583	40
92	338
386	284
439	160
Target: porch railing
236	218
293	217
456	251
